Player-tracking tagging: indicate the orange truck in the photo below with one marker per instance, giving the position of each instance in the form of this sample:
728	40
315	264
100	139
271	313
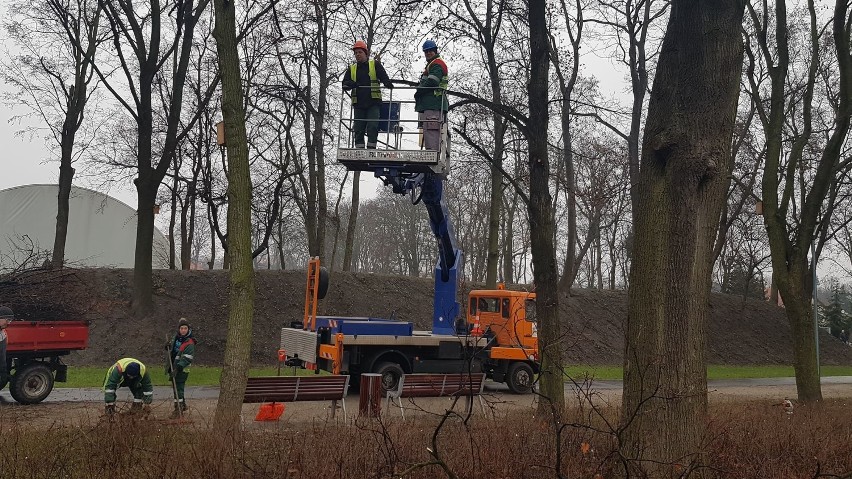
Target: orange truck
34	353
497	336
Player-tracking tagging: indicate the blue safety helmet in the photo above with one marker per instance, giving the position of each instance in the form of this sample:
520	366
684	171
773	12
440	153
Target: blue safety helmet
132	370
429	45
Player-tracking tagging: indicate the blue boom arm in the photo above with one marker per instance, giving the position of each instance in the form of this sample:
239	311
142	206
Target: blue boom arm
430	187
446	308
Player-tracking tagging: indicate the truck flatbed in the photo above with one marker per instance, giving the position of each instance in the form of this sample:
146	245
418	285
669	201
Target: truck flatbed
46	336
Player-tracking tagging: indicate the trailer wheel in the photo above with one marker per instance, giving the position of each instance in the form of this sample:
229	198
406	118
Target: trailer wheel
32	383
519	378
391	374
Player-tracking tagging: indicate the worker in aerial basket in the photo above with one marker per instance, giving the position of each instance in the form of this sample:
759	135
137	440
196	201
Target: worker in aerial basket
130	373
6	316
430	99
363	77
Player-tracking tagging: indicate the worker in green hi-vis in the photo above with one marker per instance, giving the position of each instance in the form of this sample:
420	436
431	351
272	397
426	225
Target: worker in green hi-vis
132	374
181	354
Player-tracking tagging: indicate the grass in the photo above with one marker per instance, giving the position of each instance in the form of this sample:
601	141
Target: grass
91	376
713	372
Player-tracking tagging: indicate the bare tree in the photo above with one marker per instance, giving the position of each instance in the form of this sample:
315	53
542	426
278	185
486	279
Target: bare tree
53	78
797	187
303	51
631	21
682	188
238	345
540	210
138	36
572	17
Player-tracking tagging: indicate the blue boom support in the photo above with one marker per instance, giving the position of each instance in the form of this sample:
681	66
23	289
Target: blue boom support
446	308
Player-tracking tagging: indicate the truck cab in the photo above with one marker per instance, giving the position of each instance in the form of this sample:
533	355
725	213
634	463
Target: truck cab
508	315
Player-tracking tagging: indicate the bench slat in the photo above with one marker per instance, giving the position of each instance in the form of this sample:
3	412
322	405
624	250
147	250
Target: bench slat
295	388
439	385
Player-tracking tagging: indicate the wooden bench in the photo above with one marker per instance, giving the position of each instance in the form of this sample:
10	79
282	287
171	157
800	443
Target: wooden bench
438	385
298	388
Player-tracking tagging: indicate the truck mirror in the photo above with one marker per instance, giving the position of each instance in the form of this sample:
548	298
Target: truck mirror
529	310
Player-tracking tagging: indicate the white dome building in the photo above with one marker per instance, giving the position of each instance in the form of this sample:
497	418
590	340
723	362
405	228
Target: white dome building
101	229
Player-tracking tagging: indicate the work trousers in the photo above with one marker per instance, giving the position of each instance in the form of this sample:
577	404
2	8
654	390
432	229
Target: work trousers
180	384
366	121
432	121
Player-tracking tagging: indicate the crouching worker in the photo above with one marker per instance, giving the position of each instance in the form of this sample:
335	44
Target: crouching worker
181	353
130	373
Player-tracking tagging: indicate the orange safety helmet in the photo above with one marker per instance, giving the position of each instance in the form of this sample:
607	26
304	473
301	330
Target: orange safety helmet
362	45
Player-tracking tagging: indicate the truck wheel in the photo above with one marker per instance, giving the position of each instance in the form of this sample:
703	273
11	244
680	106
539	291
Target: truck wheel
32	383
519	378
391	374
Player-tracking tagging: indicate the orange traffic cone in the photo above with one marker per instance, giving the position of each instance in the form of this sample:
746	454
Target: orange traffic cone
270	411
477	330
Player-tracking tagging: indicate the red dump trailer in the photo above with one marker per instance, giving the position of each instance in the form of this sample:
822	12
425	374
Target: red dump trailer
34	355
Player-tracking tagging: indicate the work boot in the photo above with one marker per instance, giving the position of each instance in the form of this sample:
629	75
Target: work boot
183	406
136	408
176	413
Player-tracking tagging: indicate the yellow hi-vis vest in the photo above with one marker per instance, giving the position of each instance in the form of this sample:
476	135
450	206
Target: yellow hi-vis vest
374	81
121	364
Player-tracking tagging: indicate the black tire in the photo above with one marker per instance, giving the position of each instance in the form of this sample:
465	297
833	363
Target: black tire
520	378
32	383
391	374
322	287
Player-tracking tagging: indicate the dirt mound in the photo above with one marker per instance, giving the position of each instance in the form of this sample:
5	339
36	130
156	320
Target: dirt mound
740	332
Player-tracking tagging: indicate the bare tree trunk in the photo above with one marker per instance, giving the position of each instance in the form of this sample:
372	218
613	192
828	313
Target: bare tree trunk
173	219
280	241
570	266
496	200
213	239
508	245
540	208
66	176
681	193
238	345
353	221
146	194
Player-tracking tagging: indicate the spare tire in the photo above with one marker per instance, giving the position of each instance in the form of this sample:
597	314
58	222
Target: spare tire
322	286
32	383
